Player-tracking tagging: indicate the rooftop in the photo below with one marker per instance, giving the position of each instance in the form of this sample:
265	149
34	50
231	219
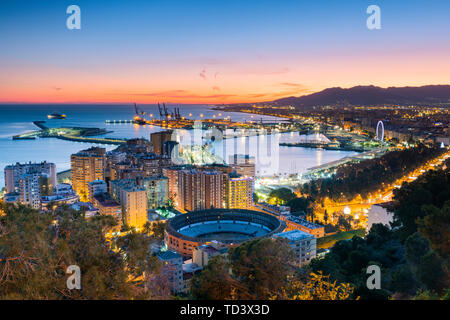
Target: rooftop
129	185
29	164
304	223
105	200
294	235
97	182
169	255
212	250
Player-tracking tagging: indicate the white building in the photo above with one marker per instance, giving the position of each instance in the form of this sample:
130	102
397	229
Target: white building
64	188
97	187
303	244
29	190
172	267
202	254
14	172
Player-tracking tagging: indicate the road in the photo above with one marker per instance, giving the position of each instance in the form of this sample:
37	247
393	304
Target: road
359	206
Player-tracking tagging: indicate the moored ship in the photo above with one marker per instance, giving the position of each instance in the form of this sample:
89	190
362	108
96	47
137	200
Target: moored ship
56	116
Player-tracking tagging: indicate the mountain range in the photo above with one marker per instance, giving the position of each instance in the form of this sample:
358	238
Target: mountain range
372	95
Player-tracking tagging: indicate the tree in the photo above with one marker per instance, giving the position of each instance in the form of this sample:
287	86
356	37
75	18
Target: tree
403	281
257	269
157	229
426	295
412	256
366	176
147	228
139	260
299	204
420	198
215	283
262	265
36	249
318	287
281	196
431	273
344	223
435	226
170	203
348	260
416	247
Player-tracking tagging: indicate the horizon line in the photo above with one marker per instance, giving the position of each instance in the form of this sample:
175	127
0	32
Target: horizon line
203	103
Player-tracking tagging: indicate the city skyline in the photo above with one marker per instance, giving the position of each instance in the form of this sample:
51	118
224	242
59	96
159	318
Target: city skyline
258	150
214	53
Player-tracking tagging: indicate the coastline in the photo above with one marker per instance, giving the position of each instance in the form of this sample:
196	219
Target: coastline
322	146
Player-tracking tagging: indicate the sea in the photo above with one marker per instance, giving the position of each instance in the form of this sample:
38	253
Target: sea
270	158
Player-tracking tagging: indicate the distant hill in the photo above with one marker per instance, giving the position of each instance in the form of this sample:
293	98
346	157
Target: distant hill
371	95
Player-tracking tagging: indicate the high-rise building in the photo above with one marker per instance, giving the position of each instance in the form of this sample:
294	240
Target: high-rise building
238	192
157	188
153	165
172	175
139	145
133	199
29	190
158	139
30	181
199	190
213	189
87	166
123	170
112	158
14	172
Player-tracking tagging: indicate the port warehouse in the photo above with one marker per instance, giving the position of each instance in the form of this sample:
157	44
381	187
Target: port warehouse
187	231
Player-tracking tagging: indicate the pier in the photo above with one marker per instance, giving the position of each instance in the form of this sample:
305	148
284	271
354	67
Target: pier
77	134
118	121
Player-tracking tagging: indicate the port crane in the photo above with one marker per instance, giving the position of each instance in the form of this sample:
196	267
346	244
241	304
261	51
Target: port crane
138	112
164	113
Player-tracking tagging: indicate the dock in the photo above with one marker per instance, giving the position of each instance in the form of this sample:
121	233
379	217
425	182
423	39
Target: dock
76	134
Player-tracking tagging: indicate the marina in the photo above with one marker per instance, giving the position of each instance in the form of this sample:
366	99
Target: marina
18	120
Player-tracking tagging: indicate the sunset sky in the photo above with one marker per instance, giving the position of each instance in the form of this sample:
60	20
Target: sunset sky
215	51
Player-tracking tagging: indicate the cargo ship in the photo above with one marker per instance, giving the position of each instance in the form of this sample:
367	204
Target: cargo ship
56	116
